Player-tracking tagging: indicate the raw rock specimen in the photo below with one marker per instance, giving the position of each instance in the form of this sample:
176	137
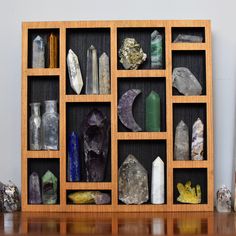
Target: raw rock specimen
9	197
96	139
197	140
156	50
53	51
73	158
181	150
125	109
158	180
185	82
76	81
184	38
131	54
188	194
38	53
34	189
90	197
153	112
49	188
92	71
104	75
223	199
133	182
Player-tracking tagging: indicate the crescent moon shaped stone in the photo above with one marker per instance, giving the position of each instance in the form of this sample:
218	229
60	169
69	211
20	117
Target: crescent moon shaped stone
125	109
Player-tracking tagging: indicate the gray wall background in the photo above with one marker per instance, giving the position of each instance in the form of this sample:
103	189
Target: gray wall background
222	14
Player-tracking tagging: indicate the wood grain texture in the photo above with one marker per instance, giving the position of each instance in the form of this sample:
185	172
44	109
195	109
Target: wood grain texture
70	104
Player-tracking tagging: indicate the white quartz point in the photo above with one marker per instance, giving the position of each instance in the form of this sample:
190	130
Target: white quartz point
92	71
197	140
158	190
76	81
38	53
104	74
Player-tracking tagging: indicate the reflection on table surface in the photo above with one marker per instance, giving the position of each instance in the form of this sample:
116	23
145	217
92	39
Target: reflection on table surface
197	223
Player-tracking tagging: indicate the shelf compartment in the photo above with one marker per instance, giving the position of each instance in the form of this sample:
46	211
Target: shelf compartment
189	113
44	33
196	31
88	185
43	72
196	176
141	73
79	40
195	61
88	98
142	135
142	36
69	202
43	154
189	99
75	115
146	85
41	165
145	151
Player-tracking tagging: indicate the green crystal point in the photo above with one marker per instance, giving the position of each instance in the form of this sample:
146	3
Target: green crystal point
49	188
153	112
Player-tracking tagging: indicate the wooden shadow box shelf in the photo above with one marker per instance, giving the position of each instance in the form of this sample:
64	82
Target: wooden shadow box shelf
39	84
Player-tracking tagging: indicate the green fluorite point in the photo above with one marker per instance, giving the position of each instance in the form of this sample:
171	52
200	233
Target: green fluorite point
153	112
49	188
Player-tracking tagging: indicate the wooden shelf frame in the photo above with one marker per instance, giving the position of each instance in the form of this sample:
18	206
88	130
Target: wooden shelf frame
116	136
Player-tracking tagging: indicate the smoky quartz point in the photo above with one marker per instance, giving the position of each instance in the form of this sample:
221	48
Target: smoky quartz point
133	182
96	139
34	189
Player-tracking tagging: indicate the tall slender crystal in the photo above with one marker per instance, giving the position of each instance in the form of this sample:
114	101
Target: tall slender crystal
35	127
104	75
38	53
50	131
92	71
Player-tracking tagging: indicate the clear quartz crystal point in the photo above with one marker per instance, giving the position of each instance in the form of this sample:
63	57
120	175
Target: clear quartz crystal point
104	75
35	127
38	53
92	71
50	130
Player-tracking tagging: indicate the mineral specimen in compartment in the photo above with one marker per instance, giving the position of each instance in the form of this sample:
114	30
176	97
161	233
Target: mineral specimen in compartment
75	76
90	197
188	194
131	54
34	189
181	150
133	182
49	188
197	140
104	75
223	199
96	139
38	53
153	112
9	197
158	182
92	71
73	158
185	82
53	50
156	50
184	38
125	109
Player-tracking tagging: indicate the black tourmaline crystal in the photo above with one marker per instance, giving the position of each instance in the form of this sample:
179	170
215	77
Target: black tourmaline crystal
96	139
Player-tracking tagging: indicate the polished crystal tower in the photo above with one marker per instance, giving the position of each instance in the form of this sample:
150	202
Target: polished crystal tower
75	76
104	75
153	112
53	51
156	50
50	126
158	182
92	71
34	189
38	53
35	140
73	158
49	188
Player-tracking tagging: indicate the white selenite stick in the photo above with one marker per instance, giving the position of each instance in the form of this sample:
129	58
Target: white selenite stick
158	190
